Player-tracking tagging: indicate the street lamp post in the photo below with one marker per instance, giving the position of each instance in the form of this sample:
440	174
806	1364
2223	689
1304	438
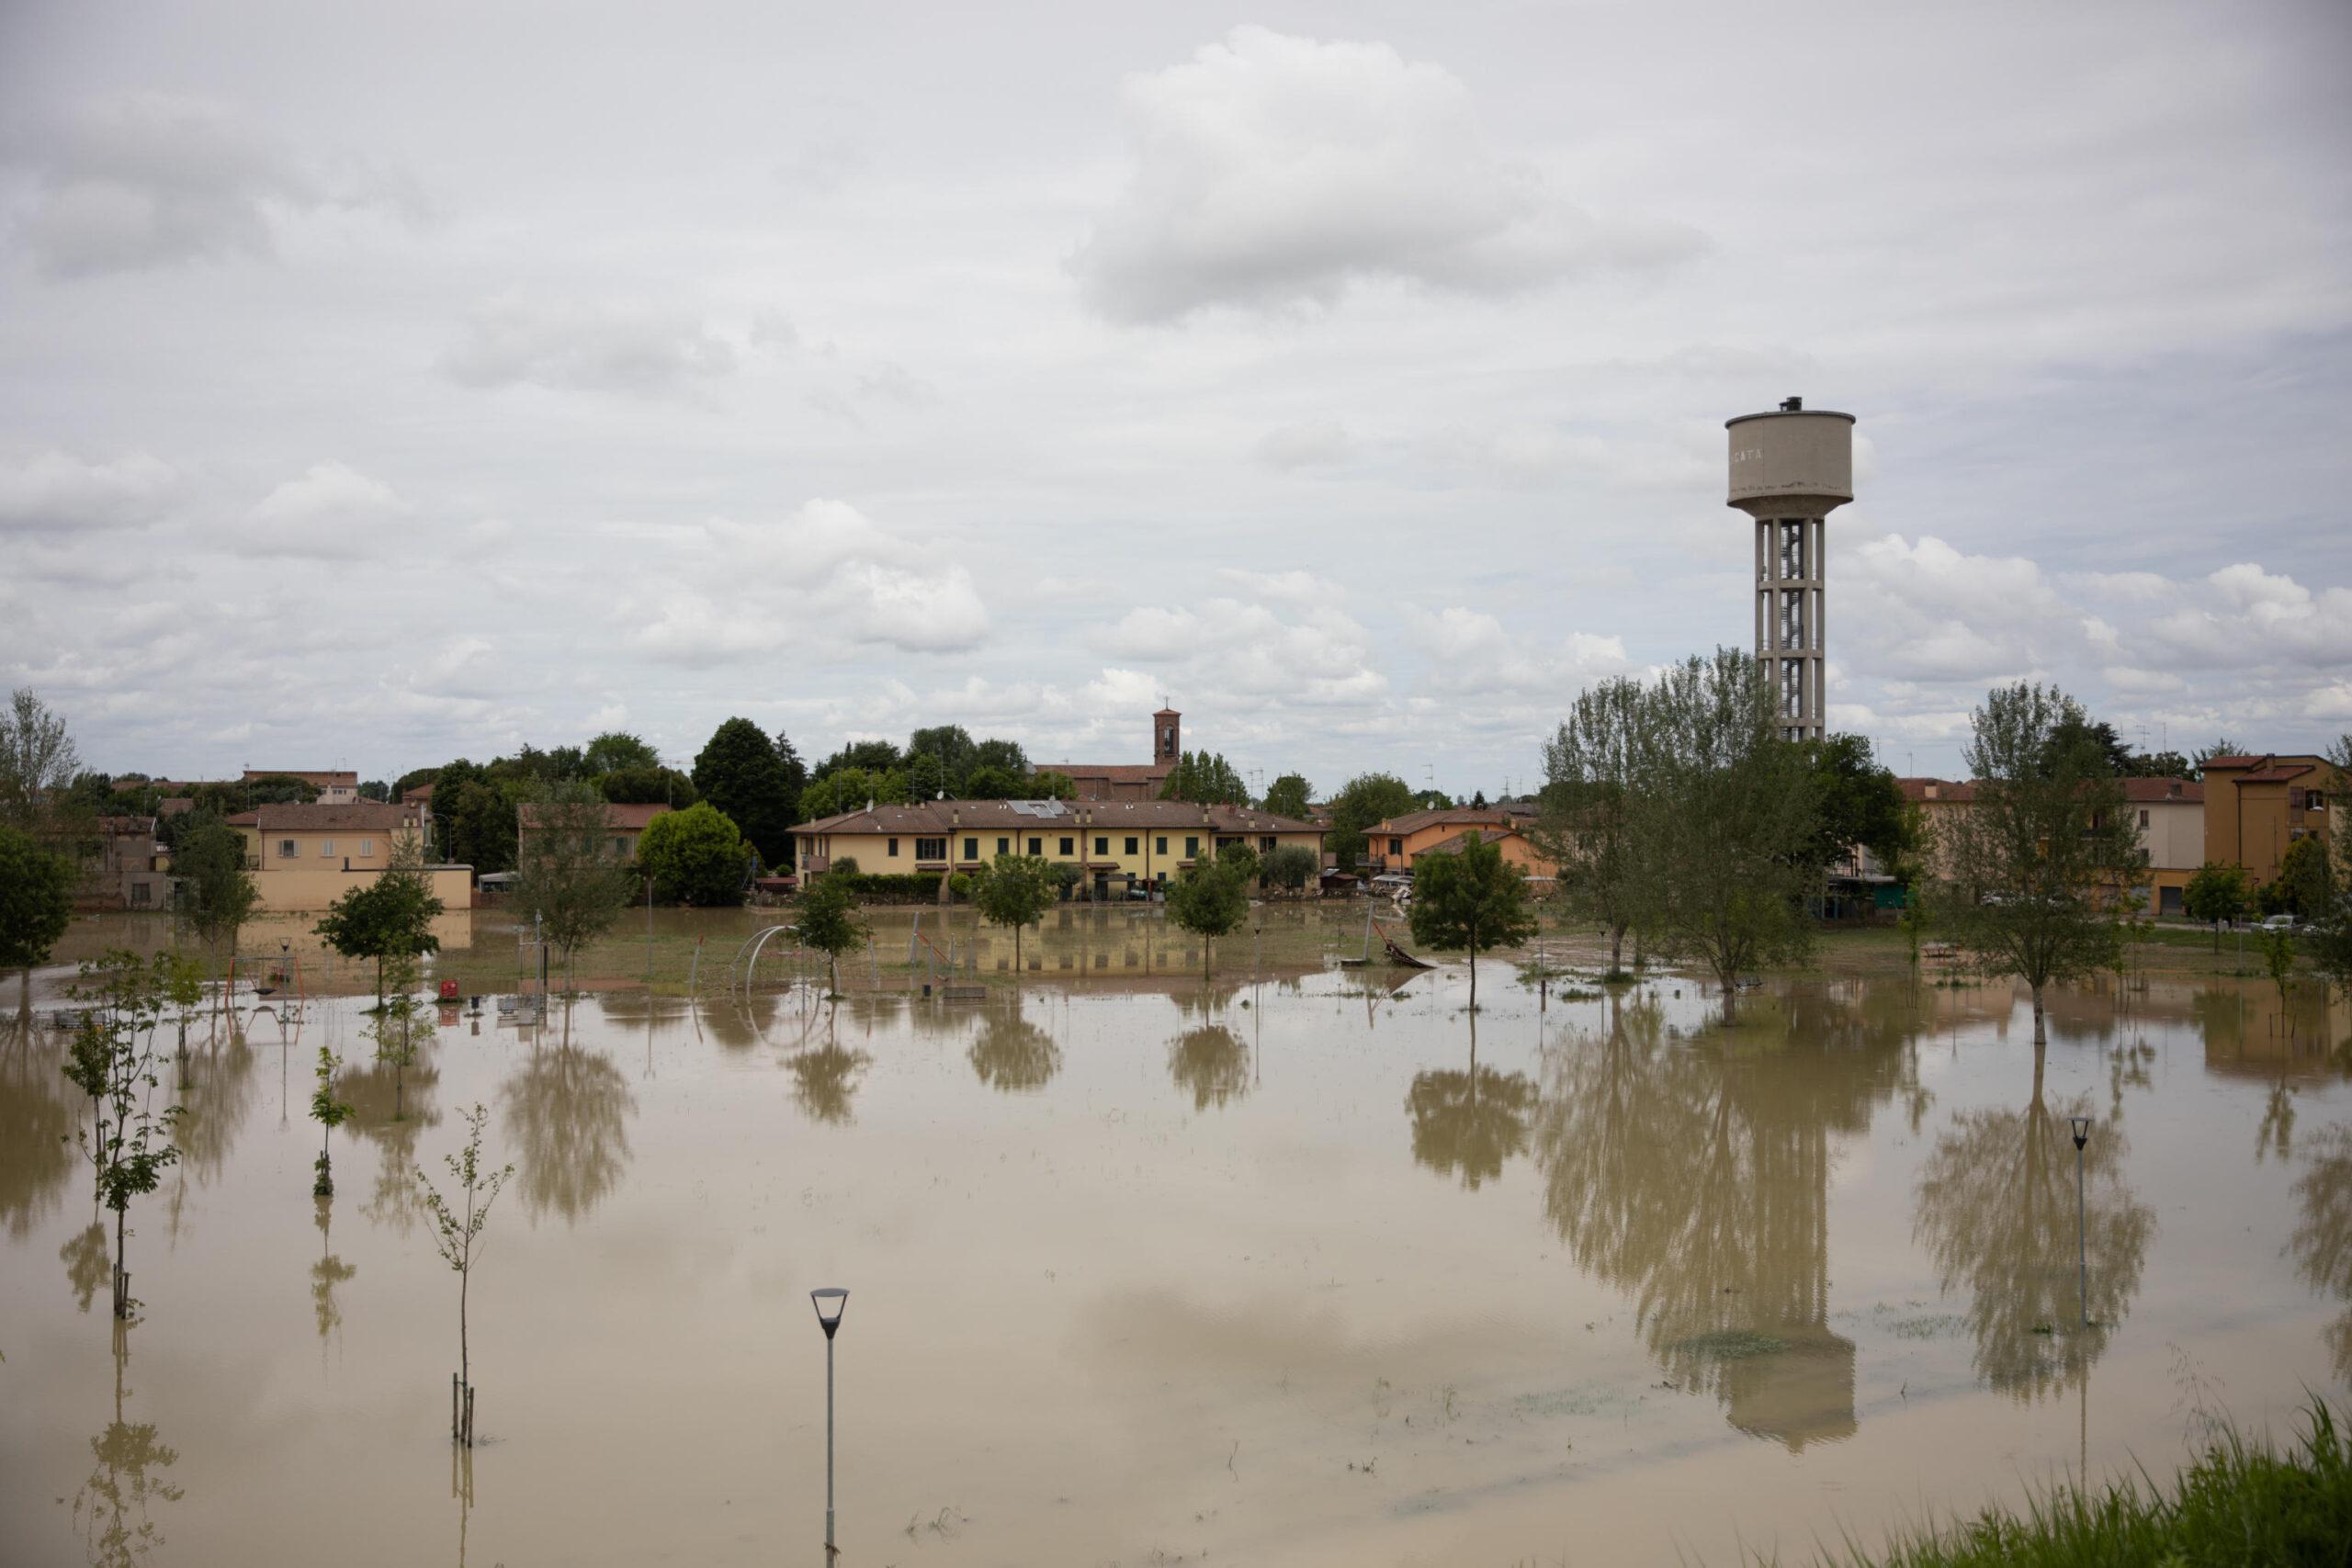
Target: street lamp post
2082	1128
829	1303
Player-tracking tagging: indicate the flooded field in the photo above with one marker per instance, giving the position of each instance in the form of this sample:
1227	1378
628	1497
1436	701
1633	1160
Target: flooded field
1313	1270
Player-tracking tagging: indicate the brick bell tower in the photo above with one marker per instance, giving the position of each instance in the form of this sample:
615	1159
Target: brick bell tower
1167	736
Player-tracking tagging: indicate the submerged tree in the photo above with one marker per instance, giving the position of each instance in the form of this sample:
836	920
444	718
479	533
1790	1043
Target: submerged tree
36	905
2045	859
1724	822
1470	900
458	1232
828	922
1016	891
394	1026
1592	780
113	1060
330	1113
1209	901
569	878
216	893
390	917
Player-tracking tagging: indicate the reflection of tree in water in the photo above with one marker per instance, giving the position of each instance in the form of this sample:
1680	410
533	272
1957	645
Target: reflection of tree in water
112	1507
38	1115
568	1108
88	1263
327	1273
217	1088
1694	1176
1997	1210
2322	1240
1469	1121
825	1080
1211	1063
1014	1054
372	1091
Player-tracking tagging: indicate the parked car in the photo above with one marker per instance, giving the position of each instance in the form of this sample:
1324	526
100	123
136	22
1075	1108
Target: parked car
2278	923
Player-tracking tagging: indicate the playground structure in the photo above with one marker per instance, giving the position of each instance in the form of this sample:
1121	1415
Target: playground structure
1395	951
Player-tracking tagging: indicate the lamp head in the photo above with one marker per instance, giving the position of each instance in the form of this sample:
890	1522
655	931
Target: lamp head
2082	1126
829	1303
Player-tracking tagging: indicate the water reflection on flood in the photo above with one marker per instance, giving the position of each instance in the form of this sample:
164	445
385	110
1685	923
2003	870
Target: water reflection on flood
1322	1267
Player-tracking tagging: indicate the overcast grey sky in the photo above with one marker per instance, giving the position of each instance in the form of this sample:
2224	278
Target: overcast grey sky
383	383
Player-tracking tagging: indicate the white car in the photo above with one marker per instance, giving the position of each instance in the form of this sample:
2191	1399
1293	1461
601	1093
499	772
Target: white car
2278	923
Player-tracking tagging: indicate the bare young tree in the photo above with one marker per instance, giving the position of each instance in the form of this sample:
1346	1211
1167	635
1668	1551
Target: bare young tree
458	1231
2044	864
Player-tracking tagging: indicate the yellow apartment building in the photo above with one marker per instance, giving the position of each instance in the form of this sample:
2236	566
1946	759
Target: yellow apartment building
305	857
624	825
2257	806
1130	843
2167	815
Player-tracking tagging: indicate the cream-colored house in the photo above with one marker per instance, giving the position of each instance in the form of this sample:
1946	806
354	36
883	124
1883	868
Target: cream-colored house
1126	842
305	857
2167	814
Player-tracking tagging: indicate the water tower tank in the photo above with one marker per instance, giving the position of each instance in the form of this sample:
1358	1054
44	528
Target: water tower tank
1790	469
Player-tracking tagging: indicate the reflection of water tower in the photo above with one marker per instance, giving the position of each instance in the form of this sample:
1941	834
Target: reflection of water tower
1788	470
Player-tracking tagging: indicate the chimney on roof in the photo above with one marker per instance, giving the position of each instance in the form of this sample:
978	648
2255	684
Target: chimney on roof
955	817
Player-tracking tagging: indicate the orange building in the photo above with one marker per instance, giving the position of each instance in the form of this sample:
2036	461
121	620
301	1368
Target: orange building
1395	844
2255	807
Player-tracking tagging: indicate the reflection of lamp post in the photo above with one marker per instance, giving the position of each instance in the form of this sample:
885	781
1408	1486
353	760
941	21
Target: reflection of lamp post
2082	1126
829	1304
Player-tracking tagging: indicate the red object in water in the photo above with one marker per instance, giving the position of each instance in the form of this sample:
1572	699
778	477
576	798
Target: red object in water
448	991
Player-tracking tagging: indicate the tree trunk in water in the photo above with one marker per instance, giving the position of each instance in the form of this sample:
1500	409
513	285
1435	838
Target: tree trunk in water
1731	996
1616	950
2040	1027
122	1306
1474	987
464	1367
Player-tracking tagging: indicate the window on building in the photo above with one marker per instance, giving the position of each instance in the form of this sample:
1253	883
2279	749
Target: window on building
892	853
931	849
1036	846
1070	845
1160	845
1192	848
1004	846
139	892
2144	817
367	847
326	846
1102	844
1134	844
1266	844
285	849
971	849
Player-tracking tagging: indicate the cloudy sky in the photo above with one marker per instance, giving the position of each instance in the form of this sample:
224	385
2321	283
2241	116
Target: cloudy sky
381	383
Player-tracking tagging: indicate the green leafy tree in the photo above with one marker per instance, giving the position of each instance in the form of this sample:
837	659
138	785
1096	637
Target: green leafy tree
2158	766
2045	859
616	750
1241	860
926	779
1363	801
129	1144
987	783
795	772
330	1113
1592	768
216	893
849	789
2217	894
1206	779
649	786
866	756
476	818
1290	867
1209	901
1015	891
1468	901
1290	795
391	915
2305	885
829	923
696	856
36	904
2332	935
1858	802
458	1228
1005	755
569	878
1724	823
36	763
2278	958
950	749
1049	784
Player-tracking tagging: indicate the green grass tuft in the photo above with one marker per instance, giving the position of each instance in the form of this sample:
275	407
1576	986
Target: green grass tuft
2239	1503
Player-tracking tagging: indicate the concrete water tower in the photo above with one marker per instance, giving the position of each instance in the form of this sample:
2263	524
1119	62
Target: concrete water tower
1788	470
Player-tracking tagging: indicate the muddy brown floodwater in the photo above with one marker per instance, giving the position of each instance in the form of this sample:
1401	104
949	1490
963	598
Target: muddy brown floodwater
1305	1272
